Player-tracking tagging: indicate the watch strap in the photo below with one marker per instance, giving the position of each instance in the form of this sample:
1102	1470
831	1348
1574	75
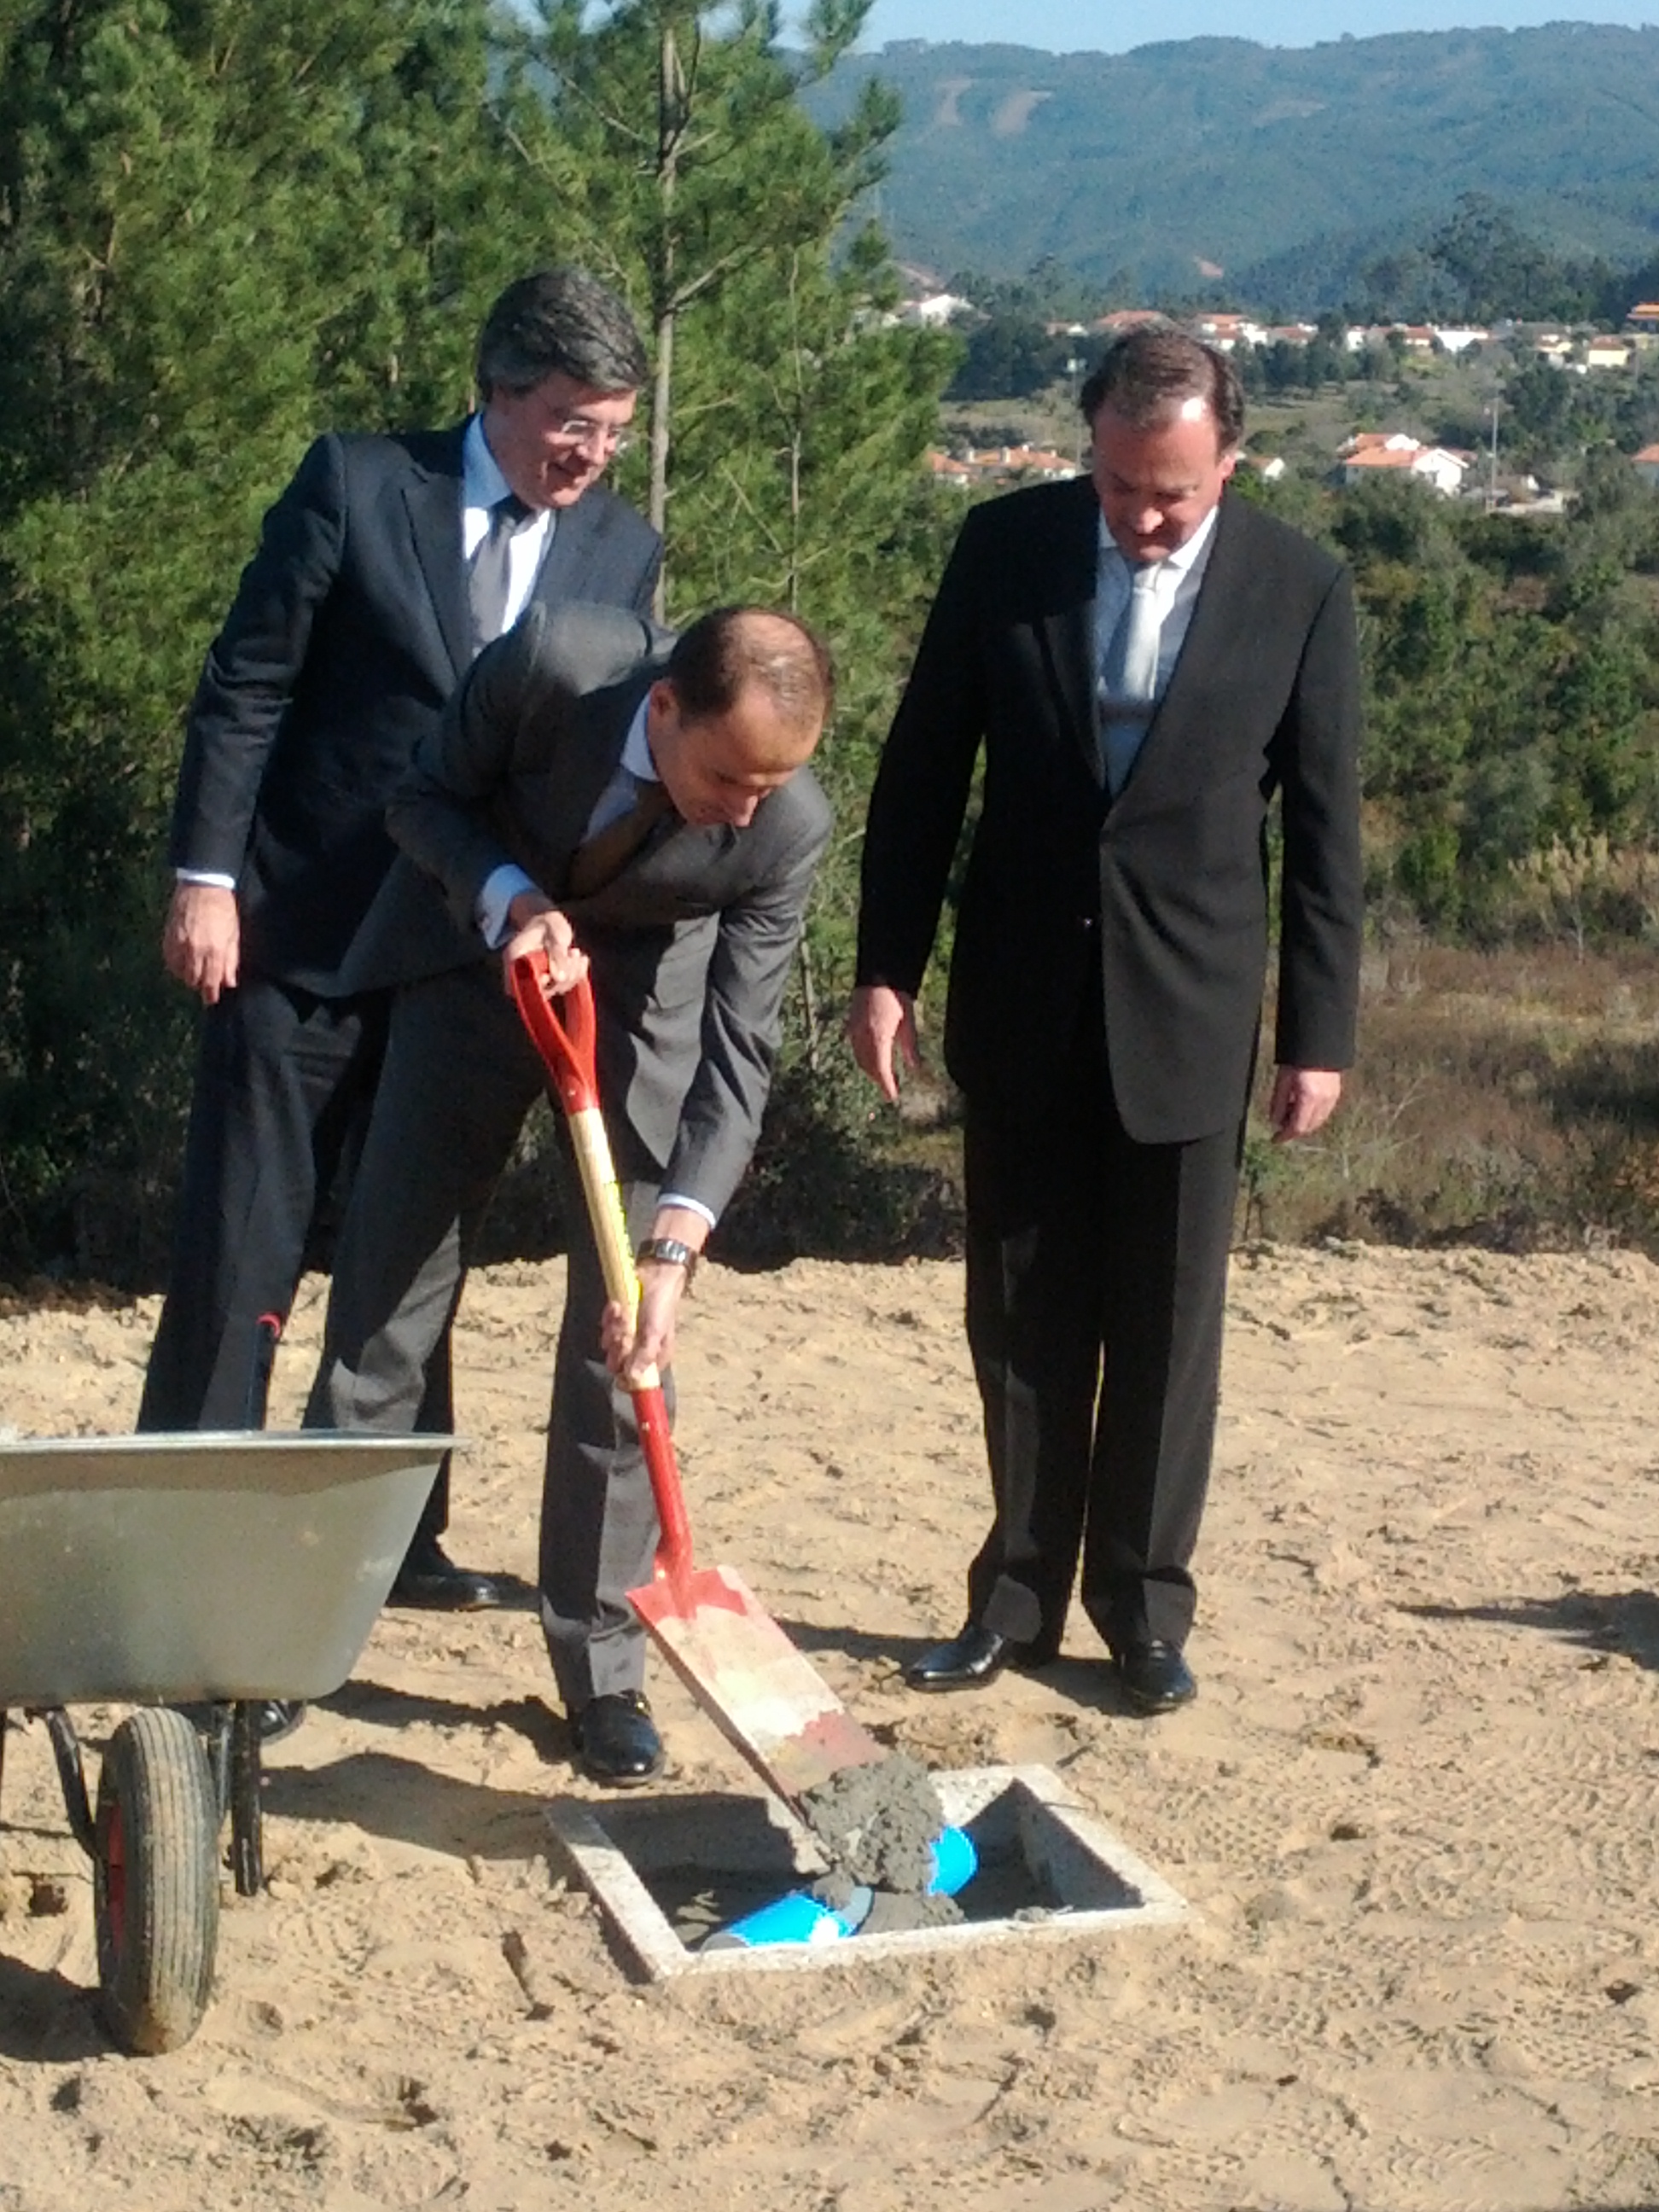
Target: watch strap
672	1252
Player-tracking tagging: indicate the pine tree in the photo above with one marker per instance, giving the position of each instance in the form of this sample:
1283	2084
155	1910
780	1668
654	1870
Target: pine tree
224	225
789	414
699	165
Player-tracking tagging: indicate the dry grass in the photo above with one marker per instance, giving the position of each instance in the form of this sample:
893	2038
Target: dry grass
1508	1098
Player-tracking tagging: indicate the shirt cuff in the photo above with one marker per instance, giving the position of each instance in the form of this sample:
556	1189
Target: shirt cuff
691	1205
210	876
501	886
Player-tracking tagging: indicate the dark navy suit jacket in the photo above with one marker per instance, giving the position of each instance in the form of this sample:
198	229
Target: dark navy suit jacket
1161	896
349	631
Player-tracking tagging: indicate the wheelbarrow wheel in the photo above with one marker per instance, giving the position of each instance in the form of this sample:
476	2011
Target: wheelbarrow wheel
155	1881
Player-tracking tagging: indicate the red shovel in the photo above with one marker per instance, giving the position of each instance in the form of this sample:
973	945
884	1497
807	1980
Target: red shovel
738	1663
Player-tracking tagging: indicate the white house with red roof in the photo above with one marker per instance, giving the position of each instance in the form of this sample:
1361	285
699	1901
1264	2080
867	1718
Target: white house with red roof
1371	453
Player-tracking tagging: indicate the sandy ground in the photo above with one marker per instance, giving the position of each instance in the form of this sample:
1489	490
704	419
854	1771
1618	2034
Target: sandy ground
1414	1806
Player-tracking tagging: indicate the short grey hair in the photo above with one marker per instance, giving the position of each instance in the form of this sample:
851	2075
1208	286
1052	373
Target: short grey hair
1144	376
559	322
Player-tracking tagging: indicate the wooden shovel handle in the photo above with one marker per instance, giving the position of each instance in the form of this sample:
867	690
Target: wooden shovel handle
563	1031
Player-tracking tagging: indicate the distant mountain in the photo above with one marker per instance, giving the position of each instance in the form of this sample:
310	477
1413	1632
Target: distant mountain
1198	165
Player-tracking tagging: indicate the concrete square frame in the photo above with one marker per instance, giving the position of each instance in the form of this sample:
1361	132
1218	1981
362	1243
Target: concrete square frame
1100	1888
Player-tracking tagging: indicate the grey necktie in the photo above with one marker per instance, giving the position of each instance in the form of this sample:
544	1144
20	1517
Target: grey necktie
491	573
1128	675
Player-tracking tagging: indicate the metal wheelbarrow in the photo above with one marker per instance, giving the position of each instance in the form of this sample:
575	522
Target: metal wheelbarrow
221	1569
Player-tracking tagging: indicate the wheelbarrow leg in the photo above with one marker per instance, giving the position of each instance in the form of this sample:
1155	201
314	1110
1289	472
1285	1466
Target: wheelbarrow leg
217	1733
66	1750
247	1820
234	1761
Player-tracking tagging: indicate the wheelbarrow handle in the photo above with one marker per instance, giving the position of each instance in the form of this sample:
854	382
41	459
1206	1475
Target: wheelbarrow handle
563	1029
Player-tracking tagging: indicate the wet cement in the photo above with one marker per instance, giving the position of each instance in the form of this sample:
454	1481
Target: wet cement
875	1826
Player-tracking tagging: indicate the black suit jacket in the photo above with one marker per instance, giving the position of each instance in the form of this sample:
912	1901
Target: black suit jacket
690	946
349	631
1162	892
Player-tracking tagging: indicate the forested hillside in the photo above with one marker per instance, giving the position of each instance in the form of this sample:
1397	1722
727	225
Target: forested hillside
1189	164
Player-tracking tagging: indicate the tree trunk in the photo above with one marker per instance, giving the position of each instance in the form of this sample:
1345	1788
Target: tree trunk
671	122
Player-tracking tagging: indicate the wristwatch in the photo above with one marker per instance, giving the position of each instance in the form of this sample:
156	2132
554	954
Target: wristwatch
672	1252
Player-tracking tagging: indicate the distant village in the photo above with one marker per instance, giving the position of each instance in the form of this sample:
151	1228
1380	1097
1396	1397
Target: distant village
1452	473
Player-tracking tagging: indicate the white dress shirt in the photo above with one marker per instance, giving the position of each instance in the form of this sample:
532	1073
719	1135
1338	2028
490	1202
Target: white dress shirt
502	885
482	485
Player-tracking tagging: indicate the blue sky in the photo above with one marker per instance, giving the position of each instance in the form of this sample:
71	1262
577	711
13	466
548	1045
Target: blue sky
1076	25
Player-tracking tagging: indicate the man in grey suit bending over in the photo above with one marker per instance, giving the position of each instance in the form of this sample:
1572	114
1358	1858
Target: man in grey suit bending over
639	809
381	570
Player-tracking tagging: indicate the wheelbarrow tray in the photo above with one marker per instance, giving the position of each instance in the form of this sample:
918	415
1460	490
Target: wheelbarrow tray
180	1568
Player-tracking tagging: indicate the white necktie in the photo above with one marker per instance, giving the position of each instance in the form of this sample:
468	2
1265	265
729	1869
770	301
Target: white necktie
1128	675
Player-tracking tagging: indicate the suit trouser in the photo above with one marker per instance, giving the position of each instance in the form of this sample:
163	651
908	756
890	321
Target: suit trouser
1097	1283
285	1083
460	1075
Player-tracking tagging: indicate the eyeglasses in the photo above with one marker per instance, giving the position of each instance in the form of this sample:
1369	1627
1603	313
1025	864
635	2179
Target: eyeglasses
582	430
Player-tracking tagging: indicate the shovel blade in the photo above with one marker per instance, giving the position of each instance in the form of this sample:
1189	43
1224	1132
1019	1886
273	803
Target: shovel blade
765	1698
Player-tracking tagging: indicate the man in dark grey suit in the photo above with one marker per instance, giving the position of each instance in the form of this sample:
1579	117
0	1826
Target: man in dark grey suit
1146	662
580	732
382	567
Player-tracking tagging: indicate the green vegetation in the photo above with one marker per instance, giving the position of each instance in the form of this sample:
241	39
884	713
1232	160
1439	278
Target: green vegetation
223	226
1512	724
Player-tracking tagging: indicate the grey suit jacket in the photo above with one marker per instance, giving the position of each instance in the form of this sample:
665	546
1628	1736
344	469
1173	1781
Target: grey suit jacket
690	947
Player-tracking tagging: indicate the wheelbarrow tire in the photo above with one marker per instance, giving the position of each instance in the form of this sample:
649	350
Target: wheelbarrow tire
155	1882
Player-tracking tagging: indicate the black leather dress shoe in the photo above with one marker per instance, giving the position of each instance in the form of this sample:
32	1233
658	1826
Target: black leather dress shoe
1156	1679
976	1656
429	1578
617	1741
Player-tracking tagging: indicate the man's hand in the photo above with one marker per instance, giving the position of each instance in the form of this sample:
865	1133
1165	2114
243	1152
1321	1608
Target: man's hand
631	1355
1304	1099
538	926
878	1017
202	939
636	1358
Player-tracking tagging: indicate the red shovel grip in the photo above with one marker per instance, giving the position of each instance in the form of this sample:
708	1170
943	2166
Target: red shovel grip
563	1029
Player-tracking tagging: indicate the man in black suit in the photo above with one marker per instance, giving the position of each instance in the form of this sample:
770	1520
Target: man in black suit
381	570
1145	662
639	810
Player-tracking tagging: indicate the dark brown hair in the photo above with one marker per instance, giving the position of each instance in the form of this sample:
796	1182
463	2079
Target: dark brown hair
729	649
1144	376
